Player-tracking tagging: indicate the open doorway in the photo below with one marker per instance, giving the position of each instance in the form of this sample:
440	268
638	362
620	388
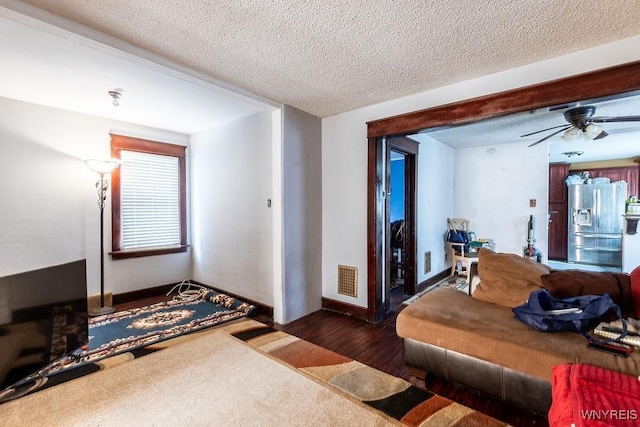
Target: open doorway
621	80
397	216
400	213
379	246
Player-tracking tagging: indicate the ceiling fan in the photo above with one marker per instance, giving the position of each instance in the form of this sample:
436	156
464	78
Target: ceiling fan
582	123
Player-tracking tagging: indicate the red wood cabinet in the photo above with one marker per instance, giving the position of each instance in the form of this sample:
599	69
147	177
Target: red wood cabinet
558	203
558	173
623	173
558	230
633	181
614	174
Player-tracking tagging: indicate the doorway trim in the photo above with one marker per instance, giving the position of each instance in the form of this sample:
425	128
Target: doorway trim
596	84
377	227
410	149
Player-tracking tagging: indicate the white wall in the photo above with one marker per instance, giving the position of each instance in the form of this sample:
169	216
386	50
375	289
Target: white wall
344	155
493	187
231	175
435	202
49	213
302	214
277	177
344	202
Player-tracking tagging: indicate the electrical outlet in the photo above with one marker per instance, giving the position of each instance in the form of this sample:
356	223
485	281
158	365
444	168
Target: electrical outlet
532	203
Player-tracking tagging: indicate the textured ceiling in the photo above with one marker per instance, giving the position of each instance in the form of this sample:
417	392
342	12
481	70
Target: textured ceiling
330	56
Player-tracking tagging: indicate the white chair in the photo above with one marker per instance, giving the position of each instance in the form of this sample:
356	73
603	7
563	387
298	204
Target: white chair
461	257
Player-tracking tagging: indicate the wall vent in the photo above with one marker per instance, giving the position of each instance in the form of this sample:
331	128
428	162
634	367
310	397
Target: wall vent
427	262
348	280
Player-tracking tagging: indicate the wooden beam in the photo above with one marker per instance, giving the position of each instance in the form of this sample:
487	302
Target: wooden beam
595	84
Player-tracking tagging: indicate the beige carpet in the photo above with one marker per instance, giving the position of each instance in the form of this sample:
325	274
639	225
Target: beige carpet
212	380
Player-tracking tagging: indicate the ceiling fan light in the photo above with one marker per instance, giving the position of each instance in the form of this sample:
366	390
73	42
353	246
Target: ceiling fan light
591	131
572	134
593	128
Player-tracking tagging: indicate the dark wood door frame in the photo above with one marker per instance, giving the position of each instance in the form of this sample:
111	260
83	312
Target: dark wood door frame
377	212
612	81
410	149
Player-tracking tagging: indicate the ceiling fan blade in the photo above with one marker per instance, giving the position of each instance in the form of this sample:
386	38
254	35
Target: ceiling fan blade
601	135
550	135
542	130
615	119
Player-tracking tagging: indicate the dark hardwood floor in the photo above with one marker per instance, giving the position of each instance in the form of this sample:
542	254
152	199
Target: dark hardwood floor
378	346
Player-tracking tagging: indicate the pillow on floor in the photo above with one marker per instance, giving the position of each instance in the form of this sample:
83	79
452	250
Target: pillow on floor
507	279
572	283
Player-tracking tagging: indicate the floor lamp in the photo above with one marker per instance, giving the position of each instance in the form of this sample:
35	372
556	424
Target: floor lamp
102	168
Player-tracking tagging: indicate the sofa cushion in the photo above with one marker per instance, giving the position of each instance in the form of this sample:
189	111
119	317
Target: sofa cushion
507	279
634	282
572	283
452	320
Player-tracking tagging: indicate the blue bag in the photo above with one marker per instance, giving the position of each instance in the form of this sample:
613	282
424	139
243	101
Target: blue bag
581	314
459	236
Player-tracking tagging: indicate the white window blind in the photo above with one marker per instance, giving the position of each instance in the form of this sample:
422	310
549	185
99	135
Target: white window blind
150	200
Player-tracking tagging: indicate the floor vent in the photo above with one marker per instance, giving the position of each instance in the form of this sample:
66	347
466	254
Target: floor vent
348	280
427	262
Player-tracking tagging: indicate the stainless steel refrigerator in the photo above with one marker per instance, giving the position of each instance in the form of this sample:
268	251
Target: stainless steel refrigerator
596	223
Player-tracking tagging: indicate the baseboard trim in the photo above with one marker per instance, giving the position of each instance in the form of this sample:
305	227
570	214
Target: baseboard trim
362	312
263	309
155	291
127	297
345	308
433	280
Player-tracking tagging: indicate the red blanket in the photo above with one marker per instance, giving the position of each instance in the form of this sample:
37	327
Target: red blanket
585	395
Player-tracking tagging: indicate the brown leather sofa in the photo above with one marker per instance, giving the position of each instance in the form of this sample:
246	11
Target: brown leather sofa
476	341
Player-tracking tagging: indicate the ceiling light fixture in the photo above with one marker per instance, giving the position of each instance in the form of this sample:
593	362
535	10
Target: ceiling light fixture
116	94
573	153
591	131
572	134
588	133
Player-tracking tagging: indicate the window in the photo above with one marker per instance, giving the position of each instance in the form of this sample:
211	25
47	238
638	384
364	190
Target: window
148	198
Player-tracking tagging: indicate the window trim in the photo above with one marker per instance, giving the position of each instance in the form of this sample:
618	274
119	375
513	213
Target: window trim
128	143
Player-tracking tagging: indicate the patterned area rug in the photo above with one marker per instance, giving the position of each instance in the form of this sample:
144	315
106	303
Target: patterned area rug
393	396
128	330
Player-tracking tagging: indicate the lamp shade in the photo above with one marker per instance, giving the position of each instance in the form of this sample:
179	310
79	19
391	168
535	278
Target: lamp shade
572	134
103	167
591	131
